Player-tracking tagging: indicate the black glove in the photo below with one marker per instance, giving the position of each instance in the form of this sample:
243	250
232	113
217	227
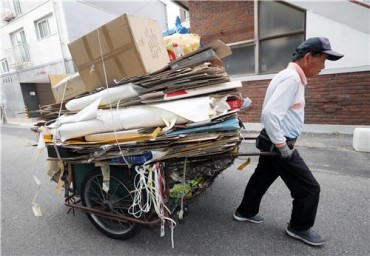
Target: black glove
285	152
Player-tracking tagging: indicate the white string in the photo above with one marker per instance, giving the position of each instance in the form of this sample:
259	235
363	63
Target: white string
109	99
153	193
162	209
149	184
40	146
57	121
141	188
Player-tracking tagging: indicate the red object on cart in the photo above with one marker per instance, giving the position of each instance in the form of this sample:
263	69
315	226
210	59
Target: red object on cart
235	103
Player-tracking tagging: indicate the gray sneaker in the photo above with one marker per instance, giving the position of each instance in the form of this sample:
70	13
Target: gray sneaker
308	236
254	219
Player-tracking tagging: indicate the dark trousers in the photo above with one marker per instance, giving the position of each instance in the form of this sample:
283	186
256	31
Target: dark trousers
303	187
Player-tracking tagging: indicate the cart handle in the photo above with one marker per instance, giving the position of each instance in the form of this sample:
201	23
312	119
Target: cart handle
263	153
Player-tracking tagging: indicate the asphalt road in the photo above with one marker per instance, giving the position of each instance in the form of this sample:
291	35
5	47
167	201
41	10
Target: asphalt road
343	215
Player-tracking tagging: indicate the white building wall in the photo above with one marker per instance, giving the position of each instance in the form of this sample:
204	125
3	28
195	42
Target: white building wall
80	17
347	26
354	44
343	11
74	18
41	51
151	9
11	95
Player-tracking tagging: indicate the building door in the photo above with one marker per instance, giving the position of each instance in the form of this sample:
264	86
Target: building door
45	94
31	98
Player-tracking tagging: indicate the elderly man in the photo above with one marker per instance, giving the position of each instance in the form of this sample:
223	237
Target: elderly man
282	119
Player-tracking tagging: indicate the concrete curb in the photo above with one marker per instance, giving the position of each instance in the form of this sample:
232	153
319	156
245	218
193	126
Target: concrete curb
17	125
313	128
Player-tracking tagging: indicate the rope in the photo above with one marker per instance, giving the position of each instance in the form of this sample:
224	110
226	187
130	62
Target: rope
150	184
141	188
160	182
40	146
110	102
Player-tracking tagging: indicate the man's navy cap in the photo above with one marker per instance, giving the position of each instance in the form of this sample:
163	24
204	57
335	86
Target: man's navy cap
318	44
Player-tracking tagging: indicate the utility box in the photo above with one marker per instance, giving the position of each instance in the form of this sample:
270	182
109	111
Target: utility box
361	139
126	46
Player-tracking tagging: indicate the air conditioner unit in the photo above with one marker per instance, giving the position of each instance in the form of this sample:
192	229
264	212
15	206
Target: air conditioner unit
7	15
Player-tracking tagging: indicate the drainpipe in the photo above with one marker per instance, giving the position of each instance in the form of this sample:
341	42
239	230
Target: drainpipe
59	37
256	36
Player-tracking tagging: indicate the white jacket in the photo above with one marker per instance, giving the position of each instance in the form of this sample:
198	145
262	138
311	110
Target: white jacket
283	107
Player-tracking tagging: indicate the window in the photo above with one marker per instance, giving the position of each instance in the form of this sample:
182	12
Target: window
242	60
186	15
45	27
20	48
17	7
4	66
281	29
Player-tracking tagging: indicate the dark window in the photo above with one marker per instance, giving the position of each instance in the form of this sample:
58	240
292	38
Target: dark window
281	29
242	60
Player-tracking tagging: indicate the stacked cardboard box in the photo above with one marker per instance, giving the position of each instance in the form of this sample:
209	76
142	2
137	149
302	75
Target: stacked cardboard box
126	46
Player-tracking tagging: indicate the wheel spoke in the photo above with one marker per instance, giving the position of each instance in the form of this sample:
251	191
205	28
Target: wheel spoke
92	189
117	186
123	199
96	181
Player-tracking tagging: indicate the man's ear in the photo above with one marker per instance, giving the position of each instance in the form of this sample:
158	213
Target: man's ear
307	55
307	58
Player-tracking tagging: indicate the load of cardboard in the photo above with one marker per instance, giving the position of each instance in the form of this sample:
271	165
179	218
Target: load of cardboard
149	110
174	113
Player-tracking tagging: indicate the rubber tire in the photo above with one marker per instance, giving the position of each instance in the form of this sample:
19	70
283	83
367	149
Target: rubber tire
122	178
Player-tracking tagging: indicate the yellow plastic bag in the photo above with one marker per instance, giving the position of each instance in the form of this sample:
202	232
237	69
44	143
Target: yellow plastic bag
180	44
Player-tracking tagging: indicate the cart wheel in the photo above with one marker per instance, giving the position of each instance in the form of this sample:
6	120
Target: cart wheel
117	201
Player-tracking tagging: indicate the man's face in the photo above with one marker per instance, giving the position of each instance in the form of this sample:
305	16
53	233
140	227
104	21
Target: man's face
313	64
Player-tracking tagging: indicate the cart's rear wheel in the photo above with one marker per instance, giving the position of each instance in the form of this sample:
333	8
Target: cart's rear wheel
117	201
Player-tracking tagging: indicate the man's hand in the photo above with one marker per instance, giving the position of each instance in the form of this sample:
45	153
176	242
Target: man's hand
285	152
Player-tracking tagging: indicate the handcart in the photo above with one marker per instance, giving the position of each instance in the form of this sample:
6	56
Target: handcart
138	158
120	199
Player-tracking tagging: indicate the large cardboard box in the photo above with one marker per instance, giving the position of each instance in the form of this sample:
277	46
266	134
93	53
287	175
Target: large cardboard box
126	46
73	85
